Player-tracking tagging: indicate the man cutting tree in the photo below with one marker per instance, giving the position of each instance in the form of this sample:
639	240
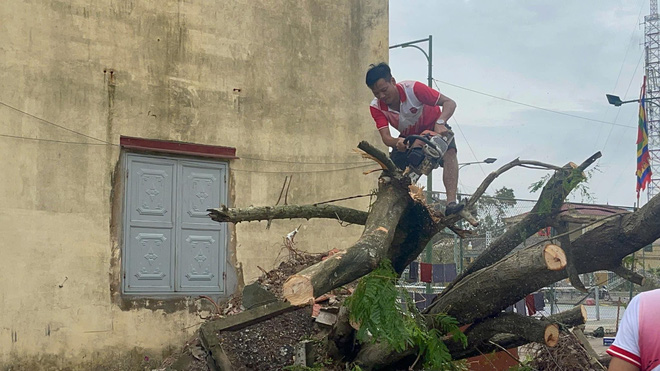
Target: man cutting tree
414	110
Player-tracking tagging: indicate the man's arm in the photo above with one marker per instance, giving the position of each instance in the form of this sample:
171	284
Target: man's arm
617	364
448	107
390	141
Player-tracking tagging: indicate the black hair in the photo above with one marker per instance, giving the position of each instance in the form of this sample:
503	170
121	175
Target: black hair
377	72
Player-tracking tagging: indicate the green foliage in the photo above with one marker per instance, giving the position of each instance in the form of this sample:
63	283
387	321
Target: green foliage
491	211
375	307
539	184
574	182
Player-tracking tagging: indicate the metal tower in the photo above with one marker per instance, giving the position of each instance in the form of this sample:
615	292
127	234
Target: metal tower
652	59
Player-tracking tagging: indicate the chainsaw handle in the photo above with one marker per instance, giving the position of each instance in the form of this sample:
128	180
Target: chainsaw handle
411	138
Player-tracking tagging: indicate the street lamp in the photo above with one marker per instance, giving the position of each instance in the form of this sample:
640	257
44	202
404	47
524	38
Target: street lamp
429	61
489	160
429	178
615	100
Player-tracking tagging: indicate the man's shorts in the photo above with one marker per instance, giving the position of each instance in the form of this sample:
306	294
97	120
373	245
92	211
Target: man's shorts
400	159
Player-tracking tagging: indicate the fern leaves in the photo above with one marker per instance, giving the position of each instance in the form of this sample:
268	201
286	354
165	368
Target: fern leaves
376	306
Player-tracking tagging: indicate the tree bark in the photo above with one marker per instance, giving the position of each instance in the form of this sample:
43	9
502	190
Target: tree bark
399	228
564	239
361	258
249	214
601	248
530	329
488	291
484	338
550	200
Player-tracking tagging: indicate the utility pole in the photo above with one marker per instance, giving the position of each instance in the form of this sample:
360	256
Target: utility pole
652	69
429	178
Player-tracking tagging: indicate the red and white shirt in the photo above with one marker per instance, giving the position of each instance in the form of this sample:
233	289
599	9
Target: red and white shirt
638	338
418	111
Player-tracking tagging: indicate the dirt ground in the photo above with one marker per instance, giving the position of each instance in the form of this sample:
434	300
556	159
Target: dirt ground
268	345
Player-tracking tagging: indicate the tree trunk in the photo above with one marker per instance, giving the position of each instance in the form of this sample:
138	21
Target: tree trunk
249	214
550	200
359	259
488	291
398	228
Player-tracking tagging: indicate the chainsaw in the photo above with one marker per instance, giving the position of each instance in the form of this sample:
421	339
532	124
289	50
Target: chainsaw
427	157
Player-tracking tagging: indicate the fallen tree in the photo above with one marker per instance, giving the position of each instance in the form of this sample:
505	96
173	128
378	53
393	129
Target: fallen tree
400	224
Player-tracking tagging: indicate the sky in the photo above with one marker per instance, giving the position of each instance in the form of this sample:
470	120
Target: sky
520	72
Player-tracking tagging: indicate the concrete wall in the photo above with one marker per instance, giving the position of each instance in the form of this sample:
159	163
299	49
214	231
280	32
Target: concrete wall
278	80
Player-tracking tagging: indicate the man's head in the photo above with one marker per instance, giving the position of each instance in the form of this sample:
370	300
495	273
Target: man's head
380	81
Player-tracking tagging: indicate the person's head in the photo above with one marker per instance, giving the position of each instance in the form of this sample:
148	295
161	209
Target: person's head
379	79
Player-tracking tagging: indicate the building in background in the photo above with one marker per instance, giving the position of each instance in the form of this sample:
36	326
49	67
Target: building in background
123	121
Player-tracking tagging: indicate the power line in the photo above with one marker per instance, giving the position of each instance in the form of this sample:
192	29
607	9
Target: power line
364	164
535	107
52	123
463	134
617	115
302	172
304	163
56	141
103	142
623	63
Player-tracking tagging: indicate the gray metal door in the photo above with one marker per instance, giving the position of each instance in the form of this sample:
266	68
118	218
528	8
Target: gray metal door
149	242
201	240
170	244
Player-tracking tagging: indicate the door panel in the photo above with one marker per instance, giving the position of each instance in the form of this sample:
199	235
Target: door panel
149	260
199	261
170	243
202	240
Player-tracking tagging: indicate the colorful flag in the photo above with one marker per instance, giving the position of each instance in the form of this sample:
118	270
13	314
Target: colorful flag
643	157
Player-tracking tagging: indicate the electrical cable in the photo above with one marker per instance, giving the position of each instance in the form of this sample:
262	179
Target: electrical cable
304	163
623	63
619	177
52	123
463	134
535	107
617	115
303	172
56	141
103	142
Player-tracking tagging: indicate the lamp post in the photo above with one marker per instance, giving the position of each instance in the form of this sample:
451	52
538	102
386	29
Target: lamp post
489	160
615	100
429	178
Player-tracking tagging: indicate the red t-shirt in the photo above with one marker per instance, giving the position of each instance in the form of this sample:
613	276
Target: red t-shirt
419	109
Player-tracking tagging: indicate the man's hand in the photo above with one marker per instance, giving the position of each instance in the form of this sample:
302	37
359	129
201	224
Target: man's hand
400	146
440	129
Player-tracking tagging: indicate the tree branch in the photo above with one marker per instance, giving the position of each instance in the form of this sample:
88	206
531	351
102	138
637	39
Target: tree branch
570	318
361	258
629	275
565	242
249	214
382	158
550	200
491	177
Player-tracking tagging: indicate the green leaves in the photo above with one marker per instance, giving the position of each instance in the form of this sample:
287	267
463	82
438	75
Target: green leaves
376	307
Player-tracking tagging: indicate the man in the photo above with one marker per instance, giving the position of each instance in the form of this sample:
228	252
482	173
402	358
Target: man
637	343
413	108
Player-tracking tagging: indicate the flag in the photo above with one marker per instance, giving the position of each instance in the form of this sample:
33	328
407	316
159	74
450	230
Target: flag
643	157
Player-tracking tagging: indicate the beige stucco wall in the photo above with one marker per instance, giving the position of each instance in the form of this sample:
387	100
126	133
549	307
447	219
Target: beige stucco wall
168	70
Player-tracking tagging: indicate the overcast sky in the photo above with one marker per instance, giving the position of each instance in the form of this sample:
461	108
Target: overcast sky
561	56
